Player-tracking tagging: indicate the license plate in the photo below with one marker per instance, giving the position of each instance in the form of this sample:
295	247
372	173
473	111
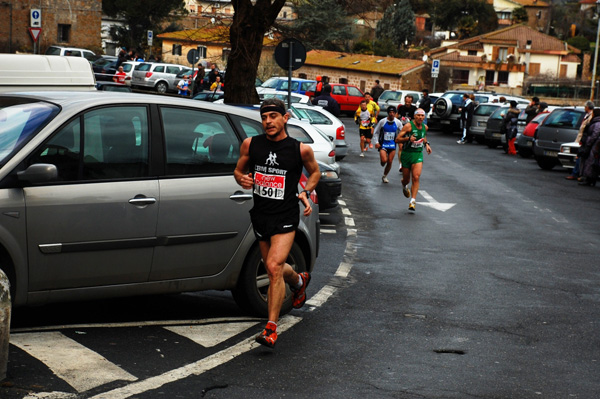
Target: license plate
445	122
482	124
530	144
551	154
496	135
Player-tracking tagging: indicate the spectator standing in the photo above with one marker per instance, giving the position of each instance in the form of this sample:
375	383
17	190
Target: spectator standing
376	90
119	76
511	122
327	102
217	85
425	103
466	118
532	109
589	151
589	108
183	87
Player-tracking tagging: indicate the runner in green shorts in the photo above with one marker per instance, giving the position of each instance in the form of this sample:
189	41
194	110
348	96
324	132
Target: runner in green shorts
414	138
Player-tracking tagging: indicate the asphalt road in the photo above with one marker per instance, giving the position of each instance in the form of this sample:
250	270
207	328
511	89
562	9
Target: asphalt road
488	290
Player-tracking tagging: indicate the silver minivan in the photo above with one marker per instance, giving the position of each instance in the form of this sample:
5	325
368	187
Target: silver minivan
106	195
156	75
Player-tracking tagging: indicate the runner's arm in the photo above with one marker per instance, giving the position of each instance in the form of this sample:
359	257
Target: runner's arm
242	177
404	134
314	174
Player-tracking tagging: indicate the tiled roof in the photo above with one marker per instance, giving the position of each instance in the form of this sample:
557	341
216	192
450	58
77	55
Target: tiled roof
531	3
516	35
361	62
219	34
571	58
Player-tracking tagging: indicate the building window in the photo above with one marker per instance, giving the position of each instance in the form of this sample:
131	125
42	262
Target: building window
460	76
503	77
472	52
502	54
64	33
504	15
344	81
225	54
284	14
302	76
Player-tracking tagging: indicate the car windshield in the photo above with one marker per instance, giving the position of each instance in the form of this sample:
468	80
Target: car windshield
144	67
539	118
271	83
391	95
53	51
567	118
127	67
318	118
456	98
499	113
485	110
20	120
102	61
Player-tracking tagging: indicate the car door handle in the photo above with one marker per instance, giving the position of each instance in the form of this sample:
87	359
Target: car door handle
142	201
240	196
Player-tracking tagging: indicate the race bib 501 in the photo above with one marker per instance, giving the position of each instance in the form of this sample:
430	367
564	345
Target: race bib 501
269	186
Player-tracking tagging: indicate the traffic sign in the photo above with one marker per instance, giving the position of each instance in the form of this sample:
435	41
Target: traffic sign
435	67
150	35
35	33
193	56
36	18
297	56
435	75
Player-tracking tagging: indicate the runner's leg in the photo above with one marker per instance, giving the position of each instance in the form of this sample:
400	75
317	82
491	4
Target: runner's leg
416	176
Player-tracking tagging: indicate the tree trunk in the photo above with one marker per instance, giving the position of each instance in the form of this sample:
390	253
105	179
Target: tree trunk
247	32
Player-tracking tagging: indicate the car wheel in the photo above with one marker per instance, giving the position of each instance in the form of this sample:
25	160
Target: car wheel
545	163
524	153
480	139
251	291
161	87
491	144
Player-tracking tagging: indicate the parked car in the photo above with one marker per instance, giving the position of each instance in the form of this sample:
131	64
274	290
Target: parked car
327	123
395	98
348	96
105	68
445	113
561	126
128	68
283	95
481	115
568	154
321	144
208	95
158	76
280	83
526	139
329	187
493	130
113	86
110	188
71	52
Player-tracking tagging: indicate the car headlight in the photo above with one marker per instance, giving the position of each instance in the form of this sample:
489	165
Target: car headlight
565	150
329	174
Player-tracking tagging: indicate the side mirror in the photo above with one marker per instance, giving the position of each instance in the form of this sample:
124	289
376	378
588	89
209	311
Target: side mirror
39	173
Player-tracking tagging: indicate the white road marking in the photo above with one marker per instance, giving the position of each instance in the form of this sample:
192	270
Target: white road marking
349	222
196	368
211	334
321	297
343	270
432	203
328	231
346	212
51	395
78	366
341	202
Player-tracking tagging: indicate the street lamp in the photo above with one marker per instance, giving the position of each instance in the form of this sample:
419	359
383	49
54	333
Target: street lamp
595	51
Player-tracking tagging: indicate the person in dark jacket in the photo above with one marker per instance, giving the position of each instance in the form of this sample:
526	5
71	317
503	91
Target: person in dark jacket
532	109
425	103
590	151
327	102
466	117
511	123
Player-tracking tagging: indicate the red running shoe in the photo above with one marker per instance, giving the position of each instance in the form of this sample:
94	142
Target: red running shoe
299	297
269	335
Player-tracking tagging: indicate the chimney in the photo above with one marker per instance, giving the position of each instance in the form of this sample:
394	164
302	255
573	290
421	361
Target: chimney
527	56
585	70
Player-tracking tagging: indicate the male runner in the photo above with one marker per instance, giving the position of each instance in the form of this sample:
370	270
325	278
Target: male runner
384	138
272	165
414	137
364	118
405	114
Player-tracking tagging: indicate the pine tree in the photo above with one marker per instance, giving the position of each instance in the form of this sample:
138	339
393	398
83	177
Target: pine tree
397	24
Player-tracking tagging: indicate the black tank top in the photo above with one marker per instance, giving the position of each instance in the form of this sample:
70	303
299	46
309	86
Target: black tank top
276	167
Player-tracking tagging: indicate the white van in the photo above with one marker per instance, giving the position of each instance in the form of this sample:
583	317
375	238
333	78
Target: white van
29	72
71	52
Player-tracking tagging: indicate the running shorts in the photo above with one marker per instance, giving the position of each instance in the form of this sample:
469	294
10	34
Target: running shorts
266	226
409	158
367	133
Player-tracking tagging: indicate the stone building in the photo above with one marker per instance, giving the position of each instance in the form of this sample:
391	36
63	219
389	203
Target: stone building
361	70
74	23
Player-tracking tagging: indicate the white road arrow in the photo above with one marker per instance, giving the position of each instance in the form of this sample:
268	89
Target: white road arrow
432	203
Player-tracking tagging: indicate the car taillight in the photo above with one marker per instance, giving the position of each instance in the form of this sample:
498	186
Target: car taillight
303	180
148	74
340	133
332	153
